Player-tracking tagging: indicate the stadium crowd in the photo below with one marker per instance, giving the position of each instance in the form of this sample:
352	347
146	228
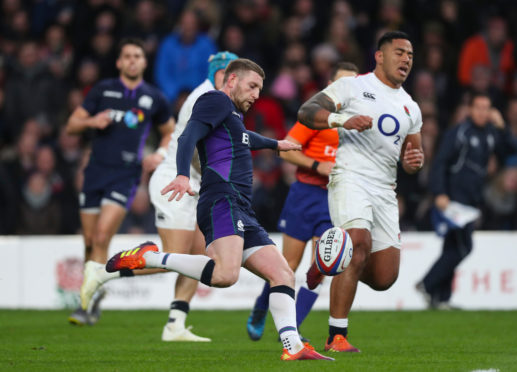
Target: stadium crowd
53	52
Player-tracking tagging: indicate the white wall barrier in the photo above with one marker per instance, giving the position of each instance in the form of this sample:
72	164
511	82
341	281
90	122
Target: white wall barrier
46	272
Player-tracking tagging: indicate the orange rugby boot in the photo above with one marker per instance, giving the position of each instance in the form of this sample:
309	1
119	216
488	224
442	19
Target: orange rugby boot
340	344
131	259
306	353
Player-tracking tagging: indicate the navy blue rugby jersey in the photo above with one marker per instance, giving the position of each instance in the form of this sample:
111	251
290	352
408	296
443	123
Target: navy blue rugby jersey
133	112
225	155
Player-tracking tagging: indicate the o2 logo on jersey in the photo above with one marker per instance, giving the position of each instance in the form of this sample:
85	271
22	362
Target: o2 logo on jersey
131	118
389	126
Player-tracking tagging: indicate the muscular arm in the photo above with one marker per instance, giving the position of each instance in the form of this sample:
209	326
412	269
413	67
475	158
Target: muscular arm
319	112
315	112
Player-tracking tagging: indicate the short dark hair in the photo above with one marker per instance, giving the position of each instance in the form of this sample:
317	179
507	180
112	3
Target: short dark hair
476	95
347	66
242	65
129	41
389	36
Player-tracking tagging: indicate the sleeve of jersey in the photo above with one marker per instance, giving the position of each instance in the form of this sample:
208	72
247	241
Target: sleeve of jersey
339	92
194	132
301	133
91	101
163	113
212	108
258	142
416	124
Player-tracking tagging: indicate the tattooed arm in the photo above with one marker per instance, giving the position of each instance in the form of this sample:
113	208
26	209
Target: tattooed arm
319	112
315	112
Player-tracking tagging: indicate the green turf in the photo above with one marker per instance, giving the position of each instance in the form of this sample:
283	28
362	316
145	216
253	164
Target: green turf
130	341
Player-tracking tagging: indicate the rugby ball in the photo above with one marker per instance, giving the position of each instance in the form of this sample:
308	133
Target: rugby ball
334	251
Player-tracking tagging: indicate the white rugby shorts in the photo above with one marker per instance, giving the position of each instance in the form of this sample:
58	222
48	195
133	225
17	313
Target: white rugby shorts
354	203
175	215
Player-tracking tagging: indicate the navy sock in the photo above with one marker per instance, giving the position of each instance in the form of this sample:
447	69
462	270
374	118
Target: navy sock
262	301
126	273
333	331
305	299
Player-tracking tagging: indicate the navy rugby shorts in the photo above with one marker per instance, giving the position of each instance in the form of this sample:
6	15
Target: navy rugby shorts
306	212
115	184
227	215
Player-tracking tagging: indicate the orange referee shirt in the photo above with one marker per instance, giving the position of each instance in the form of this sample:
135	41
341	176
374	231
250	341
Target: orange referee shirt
320	145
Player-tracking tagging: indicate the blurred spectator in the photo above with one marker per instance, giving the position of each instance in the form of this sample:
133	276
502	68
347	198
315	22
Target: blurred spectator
39	211
511	116
103	52
146	23
500	196
491	48
9	202
181	59
30	90
323	57
87	75
341	38
266	114
57	51
458	175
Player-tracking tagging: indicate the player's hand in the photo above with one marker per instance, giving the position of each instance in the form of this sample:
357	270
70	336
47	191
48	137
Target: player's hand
102	119
496	118
179	186
325	167
441	202
286	145
413	158
358	122
151	161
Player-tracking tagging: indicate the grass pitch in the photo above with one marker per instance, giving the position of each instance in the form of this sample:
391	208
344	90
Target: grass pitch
130	341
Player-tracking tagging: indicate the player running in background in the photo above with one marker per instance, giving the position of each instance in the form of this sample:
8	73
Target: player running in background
305	215
233	236
378	124
121	112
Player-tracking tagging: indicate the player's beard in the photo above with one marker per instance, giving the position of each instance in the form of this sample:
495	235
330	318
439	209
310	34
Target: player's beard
239	100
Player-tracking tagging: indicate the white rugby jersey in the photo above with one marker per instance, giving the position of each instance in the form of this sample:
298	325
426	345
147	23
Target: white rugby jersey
373	153
183	118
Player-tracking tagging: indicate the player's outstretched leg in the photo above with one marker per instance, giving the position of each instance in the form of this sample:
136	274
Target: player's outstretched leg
257	319
130	259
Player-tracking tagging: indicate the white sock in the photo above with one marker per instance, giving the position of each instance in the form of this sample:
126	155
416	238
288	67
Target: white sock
100	271
186	264
283	310
178	316
338	322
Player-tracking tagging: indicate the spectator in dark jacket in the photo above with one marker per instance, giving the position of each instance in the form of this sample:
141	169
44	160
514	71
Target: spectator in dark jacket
458	174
